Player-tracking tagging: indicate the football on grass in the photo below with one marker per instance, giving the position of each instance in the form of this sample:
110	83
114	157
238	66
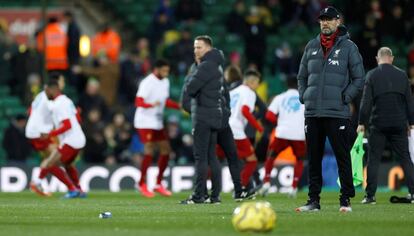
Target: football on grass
254	217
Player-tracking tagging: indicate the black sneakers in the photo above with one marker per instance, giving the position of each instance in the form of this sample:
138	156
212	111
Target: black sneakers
408	199
191	200
311	206
245	195
369	200
213	200
345	205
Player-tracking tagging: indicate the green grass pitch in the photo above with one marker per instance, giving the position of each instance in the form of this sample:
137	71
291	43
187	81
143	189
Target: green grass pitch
26	214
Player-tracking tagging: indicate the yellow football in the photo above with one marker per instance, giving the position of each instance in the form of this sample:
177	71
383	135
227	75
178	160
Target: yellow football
254	217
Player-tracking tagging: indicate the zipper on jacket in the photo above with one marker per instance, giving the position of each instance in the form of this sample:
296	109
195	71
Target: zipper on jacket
319	105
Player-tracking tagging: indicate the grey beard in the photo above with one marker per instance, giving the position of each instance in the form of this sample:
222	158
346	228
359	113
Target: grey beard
328	33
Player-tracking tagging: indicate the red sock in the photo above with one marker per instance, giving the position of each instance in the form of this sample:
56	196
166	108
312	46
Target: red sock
249	168
146	162
162	165
43	173
297	173
268	169
73	175
62	176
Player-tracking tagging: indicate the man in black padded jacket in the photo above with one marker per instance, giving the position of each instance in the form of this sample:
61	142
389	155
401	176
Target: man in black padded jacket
224	139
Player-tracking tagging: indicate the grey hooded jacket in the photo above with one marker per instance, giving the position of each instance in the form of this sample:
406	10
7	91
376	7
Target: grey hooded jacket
328	84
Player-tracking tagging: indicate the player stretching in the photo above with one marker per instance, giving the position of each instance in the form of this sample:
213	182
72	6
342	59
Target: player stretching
151	99
288	113
71	140
40	122
242	103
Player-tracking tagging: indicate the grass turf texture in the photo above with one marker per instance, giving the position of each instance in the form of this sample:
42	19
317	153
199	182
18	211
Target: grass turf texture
26	214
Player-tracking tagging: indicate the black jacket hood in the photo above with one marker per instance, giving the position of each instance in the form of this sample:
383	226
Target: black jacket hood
343	32
214	55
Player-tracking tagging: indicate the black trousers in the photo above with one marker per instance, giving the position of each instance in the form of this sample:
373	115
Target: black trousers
204	148
225	140
337	130
399	143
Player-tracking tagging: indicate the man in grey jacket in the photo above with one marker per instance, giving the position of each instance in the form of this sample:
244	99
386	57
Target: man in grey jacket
330	75
207	114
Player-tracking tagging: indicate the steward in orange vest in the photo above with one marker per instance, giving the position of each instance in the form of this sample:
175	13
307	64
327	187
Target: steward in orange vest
56	46
108	42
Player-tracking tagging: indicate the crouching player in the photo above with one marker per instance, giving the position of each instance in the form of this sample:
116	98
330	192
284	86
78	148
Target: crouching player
40	122
71	141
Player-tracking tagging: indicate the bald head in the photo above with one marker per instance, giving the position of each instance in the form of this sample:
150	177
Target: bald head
384	56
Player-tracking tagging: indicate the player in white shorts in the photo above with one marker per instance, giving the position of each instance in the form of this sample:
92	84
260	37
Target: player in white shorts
152	98
288	113
242	103
71	140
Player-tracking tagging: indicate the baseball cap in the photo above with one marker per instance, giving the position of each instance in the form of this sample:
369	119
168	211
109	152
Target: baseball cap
329	12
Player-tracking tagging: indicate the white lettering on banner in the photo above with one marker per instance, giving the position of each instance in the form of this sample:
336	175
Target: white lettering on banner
167	173
119	174
8	174
19	27
285	179
91	173
285	176
227	182
180	178
152	174
273	174
56	186
177	181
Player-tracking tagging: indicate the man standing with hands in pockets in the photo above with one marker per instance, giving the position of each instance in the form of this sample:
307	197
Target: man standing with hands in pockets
331	74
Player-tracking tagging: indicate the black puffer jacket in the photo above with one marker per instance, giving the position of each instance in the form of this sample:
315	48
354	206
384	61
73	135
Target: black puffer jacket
327	85
206	87
185	98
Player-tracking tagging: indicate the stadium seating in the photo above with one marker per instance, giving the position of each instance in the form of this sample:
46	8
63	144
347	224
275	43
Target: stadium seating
4	123
10	106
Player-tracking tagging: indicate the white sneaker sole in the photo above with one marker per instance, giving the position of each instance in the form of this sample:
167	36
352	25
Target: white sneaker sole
345	209
305	210
369	203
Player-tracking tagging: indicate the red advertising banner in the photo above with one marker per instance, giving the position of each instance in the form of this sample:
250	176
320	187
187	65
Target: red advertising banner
23	23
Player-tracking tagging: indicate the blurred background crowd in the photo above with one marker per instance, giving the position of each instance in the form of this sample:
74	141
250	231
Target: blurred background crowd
126	36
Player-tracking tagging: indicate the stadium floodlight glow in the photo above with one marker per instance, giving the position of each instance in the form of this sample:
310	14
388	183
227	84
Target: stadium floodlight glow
84	46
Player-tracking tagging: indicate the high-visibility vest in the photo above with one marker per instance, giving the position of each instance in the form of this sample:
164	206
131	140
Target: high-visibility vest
56	47
107	42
